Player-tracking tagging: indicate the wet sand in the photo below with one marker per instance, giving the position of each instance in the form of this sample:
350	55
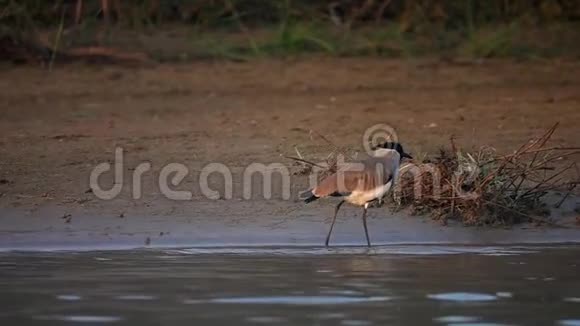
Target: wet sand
263	224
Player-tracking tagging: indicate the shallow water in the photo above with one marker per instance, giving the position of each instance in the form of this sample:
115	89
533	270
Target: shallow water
409	285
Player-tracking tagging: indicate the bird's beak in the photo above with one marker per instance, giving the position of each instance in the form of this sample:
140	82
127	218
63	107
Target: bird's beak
405	155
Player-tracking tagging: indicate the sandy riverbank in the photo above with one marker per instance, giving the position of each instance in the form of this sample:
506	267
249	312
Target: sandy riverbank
56	127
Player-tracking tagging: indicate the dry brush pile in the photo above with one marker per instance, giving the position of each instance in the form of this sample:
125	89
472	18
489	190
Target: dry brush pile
480	187
485	188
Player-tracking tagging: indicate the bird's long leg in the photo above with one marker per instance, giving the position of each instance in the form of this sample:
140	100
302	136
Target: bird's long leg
333	220
364	218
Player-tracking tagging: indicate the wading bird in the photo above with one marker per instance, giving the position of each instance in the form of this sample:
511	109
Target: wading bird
362	182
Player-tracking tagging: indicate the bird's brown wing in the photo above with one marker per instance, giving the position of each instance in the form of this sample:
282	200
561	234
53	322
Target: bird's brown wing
343	183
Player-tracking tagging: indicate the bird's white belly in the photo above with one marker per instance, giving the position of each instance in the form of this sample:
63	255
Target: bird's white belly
360	198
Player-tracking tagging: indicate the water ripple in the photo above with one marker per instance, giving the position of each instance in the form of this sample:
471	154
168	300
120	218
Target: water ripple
68	297
569	322
349	322
504	294
265	319
456	319
477	324
82	318
292	300
462	297
376	250
136	297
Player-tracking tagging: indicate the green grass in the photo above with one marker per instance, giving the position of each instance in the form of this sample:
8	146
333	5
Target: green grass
485	43
244	30
294	38
498	41
390	41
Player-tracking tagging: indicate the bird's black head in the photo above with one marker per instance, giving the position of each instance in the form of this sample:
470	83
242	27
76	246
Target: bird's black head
398	147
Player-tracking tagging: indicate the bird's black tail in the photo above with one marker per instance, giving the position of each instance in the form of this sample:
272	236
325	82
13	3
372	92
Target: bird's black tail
308	196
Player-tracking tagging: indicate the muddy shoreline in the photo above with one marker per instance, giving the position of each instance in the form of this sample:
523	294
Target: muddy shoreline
263	224
56	127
